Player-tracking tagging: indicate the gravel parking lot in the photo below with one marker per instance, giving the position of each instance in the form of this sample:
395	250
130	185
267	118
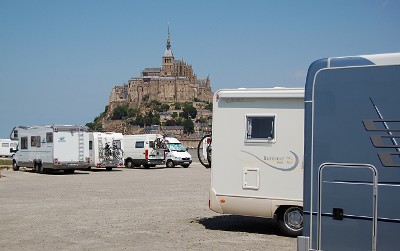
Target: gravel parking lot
125	209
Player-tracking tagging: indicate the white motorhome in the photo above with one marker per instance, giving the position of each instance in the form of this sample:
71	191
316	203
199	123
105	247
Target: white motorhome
176	153
257	159
143	149
105	149
59	147
7	146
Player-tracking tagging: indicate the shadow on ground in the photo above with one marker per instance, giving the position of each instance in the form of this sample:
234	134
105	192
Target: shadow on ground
236	223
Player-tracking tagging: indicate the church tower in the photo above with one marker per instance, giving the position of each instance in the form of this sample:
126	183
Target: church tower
168	59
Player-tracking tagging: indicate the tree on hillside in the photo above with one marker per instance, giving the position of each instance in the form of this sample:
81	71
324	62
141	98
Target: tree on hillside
189	111
188	126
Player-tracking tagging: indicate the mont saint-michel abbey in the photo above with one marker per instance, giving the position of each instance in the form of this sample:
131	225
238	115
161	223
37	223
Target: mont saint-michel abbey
173	82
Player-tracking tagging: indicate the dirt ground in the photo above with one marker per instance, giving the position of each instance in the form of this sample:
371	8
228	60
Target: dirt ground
125	209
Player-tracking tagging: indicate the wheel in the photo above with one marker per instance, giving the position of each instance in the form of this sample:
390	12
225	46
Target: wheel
290	221
146	166
108	168
39	168
204	160
170	164
69	171
185	166
15	166
129	164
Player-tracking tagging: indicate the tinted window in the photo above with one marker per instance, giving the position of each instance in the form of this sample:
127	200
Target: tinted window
90	145
260	128
49	137
139	144
35	141
24	143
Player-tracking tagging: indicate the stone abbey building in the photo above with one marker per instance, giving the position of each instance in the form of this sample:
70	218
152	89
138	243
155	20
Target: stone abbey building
173	82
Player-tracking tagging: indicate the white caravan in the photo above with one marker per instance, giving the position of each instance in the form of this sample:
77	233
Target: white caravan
60	147
176	153
143	149
7	146
105	149
257	159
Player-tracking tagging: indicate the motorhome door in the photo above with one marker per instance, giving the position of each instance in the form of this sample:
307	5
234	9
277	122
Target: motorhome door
347	206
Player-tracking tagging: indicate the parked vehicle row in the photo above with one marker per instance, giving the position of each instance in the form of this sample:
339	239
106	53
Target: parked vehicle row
73	147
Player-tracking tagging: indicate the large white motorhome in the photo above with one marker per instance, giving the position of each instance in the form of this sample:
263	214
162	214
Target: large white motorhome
105	149
257	159
59	147
7	146
143	149
351	154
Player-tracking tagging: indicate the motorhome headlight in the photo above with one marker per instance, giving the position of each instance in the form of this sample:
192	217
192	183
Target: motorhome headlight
178	158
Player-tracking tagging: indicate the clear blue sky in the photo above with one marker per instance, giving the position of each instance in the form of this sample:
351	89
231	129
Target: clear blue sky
60	59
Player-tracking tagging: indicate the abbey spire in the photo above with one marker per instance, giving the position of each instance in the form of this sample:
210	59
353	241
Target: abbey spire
168	58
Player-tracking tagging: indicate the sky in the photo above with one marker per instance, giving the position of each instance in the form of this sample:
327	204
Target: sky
59	59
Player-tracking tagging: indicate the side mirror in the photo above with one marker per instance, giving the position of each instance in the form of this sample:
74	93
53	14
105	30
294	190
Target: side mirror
12	150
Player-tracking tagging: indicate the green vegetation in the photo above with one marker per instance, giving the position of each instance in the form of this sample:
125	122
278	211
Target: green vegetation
5	162
183	114
188	126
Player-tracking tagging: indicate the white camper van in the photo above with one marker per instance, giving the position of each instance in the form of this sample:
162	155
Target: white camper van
6	146
257	159
105	149
143	149
176	153
60	147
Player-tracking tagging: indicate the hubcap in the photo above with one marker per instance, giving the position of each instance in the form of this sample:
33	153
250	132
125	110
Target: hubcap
294	219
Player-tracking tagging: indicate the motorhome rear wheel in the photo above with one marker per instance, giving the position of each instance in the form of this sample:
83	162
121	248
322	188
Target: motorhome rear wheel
290	221
39	168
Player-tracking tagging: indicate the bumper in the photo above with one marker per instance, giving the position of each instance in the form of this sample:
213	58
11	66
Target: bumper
182	162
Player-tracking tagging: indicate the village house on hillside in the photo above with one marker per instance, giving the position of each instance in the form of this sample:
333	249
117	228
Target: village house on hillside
173	82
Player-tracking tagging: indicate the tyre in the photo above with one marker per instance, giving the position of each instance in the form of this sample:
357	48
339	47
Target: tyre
15	166
129	164
185	166
108	168
146	166
290	221
69	171
170	164
39	168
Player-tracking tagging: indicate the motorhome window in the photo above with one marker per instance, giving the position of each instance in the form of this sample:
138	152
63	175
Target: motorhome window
260	128
4	145
15	134
35	141
49	137
139	144
90	145
151	144
13	145
24	143
117	144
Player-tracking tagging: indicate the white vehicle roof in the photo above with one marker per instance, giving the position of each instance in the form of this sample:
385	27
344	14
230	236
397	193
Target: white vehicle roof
172	140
